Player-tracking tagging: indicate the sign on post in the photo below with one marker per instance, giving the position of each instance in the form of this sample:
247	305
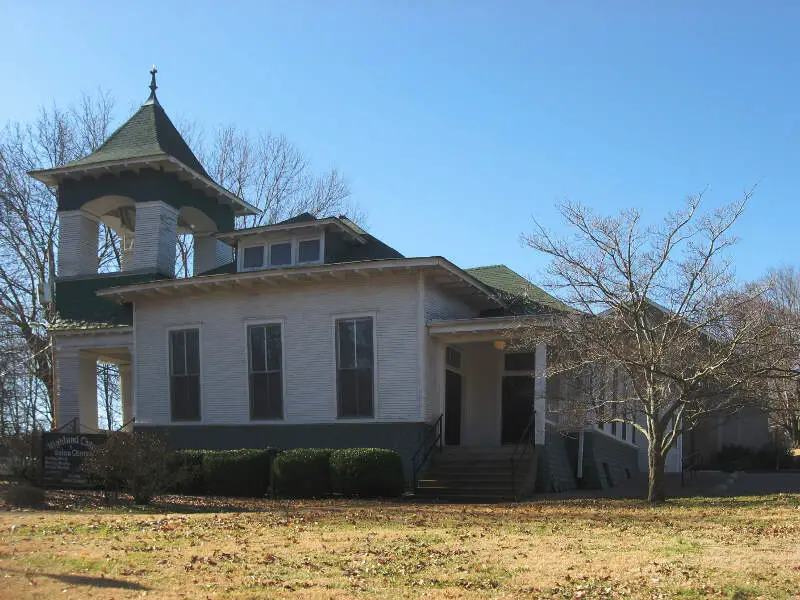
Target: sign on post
63	455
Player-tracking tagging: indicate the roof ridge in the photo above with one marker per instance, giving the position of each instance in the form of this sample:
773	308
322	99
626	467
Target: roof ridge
491	267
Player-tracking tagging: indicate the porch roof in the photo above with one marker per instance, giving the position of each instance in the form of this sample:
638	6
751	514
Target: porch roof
485	328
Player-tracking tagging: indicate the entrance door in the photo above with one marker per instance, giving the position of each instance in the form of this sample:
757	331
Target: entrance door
517	407
452	408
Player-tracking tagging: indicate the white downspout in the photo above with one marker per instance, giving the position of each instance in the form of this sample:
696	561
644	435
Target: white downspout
580	456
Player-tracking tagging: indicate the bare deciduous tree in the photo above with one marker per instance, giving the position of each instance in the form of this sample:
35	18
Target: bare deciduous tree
782	394
657	306
28	226
109	396
270	173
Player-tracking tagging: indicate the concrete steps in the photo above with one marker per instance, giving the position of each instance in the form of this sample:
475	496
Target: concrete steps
460	474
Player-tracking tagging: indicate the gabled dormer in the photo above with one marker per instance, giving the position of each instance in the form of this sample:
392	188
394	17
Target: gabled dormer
302	241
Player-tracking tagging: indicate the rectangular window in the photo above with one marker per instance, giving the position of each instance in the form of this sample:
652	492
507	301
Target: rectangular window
614	416
280	254
521	361
265	366
253	257
308	251
453	358
184	374
624	431
355	362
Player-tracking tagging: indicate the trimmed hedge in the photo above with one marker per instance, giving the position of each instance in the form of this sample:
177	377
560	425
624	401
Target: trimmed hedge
299	473
242	473
734	457
303	473
186	472
236	473
367	472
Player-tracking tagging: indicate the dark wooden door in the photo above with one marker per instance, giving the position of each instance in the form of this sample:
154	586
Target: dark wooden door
452	408
517	407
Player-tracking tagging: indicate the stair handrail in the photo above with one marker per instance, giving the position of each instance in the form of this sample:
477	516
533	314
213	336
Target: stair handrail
526	440
71	425
126	423
425	448
690	465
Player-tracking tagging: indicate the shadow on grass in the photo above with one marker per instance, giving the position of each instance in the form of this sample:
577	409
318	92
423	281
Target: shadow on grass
96	582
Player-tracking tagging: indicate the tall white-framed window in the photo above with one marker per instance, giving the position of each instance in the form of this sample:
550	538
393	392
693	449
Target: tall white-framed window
355	367
184	374
265	370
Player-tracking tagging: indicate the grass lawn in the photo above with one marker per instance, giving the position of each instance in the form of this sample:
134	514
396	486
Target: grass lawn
189	548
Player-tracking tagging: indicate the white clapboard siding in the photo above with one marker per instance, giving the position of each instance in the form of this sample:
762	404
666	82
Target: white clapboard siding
439	304
78	235
307	312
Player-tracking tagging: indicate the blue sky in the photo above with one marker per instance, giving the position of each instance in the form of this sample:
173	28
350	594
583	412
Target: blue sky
457	122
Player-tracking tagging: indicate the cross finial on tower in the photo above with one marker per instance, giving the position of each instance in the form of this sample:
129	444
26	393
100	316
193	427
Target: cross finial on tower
153	86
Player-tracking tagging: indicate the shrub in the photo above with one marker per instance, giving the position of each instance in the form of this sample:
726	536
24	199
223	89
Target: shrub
367	472
770	456
236	472
25	495
136	462
18	458
734	458
303	472
185	469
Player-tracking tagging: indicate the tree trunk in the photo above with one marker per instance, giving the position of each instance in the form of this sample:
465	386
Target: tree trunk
655	461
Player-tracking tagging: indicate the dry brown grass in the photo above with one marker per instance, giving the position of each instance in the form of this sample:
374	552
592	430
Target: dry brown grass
732	548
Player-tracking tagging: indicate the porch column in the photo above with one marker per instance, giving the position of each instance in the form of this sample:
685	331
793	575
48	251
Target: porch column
209	253
126	391
540	392
155	237
77	243
76	389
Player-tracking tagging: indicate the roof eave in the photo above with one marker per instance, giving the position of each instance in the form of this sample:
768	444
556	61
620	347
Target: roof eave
317	224
54	176
125	293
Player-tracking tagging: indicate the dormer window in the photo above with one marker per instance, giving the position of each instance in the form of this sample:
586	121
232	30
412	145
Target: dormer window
253	257
280	255
308	251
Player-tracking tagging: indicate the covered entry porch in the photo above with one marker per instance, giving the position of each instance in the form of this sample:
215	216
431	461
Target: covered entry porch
489	394
77	354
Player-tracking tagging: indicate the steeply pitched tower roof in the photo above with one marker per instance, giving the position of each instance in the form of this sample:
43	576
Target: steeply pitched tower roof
147	139
149	132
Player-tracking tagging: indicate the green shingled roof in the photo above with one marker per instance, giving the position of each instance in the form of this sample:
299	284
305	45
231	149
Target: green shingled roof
149	132
510	283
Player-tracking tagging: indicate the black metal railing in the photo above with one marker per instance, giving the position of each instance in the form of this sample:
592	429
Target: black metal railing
71	426
126	423
690	466
431	440
525	443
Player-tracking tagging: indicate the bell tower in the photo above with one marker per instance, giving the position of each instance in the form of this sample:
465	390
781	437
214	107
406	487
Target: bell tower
146	184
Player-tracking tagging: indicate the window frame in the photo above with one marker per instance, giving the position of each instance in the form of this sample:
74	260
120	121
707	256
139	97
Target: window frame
256	323
201	400
335	319
289	242
508	354
298	240
263	257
